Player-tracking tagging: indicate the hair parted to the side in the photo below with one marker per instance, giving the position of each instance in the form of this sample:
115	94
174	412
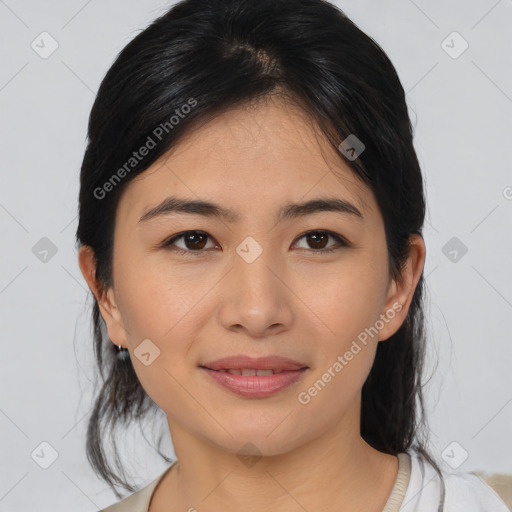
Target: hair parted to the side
230	53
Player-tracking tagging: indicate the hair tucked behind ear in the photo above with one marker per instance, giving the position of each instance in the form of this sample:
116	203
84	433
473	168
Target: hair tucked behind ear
214	55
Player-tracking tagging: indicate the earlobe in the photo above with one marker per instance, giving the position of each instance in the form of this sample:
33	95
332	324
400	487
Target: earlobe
104	297
394	313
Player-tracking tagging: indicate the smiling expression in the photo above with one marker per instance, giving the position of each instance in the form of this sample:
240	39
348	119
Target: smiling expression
251	237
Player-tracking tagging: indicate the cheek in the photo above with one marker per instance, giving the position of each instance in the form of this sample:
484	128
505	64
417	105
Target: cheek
157	309
167	308
348	300
348	304
156	295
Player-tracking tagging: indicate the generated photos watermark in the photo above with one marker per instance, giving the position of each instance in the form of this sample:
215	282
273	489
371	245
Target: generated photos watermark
304	397
151	142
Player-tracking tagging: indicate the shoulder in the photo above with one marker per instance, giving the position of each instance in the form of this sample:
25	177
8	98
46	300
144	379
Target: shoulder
472	493
136	502
139	500
451	492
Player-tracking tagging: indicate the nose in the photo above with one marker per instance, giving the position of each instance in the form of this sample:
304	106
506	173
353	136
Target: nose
255	299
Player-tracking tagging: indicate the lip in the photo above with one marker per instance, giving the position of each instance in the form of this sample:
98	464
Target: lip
240	361
256	386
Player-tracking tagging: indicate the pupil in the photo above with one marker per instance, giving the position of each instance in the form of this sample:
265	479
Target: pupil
190	238
319	235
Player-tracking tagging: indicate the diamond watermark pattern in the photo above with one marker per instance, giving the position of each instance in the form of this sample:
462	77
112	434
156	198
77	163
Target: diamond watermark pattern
44	45
249	460
454	45
454	249
44	455
147	352
44	250
455	455
249	250
351	147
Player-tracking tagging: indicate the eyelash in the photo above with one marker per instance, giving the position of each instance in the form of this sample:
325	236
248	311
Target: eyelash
168	243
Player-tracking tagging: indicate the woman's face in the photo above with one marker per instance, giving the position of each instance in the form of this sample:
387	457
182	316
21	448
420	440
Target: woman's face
255	283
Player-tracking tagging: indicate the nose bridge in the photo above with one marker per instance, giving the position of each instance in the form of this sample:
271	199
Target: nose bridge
253	273
256	298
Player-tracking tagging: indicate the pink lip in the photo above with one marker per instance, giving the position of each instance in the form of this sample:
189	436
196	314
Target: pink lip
256	386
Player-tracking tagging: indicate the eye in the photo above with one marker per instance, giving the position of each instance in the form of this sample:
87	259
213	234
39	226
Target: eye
318	239
195	241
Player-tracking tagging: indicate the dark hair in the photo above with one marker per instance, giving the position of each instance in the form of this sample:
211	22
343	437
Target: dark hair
201	58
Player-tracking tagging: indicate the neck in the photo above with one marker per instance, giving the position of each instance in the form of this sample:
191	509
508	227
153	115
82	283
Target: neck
338	471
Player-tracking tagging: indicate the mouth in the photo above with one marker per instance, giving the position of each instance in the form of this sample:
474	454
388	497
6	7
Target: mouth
242	363
248	371
255	377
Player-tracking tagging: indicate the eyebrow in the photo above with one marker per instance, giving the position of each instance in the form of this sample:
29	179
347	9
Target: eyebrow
176	205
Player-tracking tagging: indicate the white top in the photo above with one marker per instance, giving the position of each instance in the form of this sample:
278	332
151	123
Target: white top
417	488
461	492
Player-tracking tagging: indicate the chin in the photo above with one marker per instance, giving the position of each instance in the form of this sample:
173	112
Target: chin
257	442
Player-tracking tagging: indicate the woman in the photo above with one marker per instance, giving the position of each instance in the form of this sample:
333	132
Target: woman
251	212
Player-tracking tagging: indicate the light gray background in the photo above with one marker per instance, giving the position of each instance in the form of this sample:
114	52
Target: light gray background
461	109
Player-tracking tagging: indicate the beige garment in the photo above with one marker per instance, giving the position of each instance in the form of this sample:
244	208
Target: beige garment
140	500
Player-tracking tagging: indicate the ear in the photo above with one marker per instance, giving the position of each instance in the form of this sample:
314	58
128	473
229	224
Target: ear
105	297
401	290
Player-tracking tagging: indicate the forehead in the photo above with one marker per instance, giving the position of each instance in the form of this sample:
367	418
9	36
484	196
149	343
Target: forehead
250	158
